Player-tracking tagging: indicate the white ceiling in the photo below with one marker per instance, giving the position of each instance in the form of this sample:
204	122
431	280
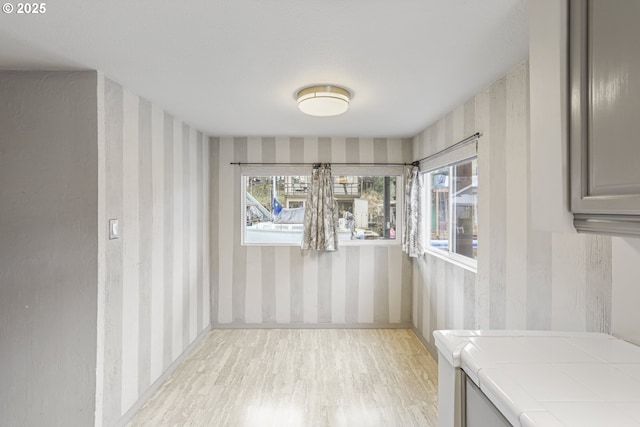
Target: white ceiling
232	67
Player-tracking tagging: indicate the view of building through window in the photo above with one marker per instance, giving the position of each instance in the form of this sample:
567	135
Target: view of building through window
274	207
453	204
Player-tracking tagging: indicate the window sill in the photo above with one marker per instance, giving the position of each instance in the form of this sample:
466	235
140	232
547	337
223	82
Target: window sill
458	260
341	244
382	242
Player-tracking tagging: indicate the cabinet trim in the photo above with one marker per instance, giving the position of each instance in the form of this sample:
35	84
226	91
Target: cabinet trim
578	97
616	225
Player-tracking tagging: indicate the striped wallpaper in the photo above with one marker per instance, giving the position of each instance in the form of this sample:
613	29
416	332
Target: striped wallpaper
278	285
526	279
154	293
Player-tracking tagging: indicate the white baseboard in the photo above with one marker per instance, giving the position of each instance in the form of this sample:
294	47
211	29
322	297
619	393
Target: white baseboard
430	347
128	416
405	325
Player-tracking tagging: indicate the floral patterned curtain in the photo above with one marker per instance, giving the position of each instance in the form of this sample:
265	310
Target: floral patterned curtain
412	239
321	212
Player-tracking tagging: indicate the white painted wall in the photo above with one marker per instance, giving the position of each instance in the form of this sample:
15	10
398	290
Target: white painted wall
548	84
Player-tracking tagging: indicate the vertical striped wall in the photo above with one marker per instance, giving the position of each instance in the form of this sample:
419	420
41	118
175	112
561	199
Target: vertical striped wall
155	181
526	279
278	285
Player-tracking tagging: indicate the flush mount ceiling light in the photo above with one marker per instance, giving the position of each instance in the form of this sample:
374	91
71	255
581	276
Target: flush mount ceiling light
323	100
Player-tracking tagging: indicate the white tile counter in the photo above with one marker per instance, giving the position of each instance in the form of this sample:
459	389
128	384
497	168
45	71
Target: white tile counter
549	379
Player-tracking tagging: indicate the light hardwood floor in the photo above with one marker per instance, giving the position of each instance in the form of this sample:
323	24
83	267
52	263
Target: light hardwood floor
301	378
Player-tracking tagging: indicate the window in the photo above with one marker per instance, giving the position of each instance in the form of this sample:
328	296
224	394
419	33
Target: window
274	208
453	210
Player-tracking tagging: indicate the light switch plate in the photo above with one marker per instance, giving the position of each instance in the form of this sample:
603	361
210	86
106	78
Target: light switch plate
114	232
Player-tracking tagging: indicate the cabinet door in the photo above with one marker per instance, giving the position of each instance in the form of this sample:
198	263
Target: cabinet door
479	411
605	108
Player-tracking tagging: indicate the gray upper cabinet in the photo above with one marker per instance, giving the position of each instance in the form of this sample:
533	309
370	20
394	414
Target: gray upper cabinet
604	99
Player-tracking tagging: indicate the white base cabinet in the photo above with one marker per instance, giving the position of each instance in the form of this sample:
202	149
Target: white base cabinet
536	379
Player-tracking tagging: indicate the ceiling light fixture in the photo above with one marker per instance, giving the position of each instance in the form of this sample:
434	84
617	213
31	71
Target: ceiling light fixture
323	100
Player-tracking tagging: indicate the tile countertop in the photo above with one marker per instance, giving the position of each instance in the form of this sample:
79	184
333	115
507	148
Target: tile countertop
549	379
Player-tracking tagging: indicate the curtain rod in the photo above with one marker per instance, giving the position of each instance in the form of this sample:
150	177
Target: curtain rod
313	163
464	141
468	139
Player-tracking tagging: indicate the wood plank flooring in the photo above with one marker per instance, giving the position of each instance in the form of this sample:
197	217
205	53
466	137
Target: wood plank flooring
299	378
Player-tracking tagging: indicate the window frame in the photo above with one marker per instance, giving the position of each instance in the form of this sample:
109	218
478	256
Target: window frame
337	170
464	154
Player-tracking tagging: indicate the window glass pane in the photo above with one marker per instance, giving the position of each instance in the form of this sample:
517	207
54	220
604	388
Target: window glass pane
367	206
274	208
453	206
439	181
465	202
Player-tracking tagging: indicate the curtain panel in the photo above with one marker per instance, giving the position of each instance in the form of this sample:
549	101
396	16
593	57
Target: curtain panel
321	212
412	232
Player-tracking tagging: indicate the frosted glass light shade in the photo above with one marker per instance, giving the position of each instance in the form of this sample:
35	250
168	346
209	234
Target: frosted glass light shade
323	100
